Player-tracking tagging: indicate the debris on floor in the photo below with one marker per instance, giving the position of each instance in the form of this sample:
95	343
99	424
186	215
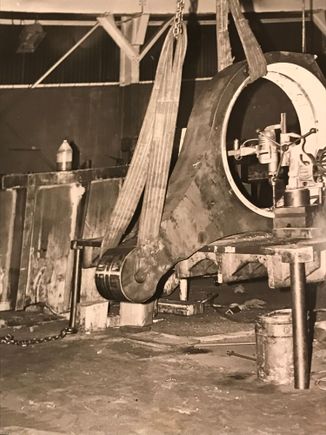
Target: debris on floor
239	289
174	378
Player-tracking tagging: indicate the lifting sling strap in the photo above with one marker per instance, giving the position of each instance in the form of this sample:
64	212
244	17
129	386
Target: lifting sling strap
149	167
224	53
253	52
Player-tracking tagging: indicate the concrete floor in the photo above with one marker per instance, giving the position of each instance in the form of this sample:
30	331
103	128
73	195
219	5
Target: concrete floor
157	382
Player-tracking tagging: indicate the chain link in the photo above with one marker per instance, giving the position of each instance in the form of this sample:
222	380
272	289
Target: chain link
10	339
178	19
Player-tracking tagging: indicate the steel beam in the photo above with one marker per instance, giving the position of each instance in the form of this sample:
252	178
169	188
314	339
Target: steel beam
319	18
109	25
134	30
99	7
152	23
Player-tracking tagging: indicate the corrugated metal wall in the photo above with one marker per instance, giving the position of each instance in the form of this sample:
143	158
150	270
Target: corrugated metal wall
96	60
201	58
201	53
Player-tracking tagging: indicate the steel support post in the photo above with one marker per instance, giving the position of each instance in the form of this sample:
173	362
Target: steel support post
75	289
299	323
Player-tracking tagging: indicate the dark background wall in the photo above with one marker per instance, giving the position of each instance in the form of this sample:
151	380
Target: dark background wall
95	60
104	121
42	118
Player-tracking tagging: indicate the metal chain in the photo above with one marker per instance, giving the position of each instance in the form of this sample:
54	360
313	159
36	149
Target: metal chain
10	339
178	19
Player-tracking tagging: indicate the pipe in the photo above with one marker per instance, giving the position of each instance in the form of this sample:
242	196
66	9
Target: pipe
300	327
303	28
90	84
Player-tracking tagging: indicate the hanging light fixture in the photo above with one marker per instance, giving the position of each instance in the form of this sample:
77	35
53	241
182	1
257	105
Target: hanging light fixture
30	38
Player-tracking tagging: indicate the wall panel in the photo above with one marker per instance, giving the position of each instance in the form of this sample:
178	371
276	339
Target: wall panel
33	123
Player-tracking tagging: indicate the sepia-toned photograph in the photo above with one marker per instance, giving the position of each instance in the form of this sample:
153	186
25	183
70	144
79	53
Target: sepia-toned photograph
163	217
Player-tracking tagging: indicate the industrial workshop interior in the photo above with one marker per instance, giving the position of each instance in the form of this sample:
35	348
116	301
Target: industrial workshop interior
163	217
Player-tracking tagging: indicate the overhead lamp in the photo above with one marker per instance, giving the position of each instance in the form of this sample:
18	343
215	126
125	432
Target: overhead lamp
30	38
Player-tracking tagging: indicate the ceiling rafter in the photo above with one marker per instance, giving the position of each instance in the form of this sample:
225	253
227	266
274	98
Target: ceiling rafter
123	7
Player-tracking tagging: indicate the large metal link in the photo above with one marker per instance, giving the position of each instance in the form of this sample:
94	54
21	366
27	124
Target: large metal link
178	19
10	339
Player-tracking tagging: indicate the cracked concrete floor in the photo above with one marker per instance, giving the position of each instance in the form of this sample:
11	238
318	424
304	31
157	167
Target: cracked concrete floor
115	383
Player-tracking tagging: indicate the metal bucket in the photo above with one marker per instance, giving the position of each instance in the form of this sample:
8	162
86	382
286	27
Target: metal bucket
274	347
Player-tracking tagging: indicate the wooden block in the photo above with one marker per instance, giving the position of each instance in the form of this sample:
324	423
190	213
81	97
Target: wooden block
93	316
88	290
184	289
136	314
113	321
180	307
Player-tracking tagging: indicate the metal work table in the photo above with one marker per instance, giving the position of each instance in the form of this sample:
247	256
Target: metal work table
296	252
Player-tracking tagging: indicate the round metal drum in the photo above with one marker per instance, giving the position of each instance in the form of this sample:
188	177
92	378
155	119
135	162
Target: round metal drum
274	346
108	275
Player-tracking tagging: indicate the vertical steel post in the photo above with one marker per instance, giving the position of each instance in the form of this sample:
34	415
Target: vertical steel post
299	323
75	290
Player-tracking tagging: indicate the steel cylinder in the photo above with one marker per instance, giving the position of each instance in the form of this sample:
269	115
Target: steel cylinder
274	347
109	274
300	326
296	198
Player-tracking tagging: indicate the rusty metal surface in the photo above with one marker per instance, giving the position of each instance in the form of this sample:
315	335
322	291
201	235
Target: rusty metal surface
268	246
82	176
46	261
32	184
274	347
253	255
7	219
201	206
